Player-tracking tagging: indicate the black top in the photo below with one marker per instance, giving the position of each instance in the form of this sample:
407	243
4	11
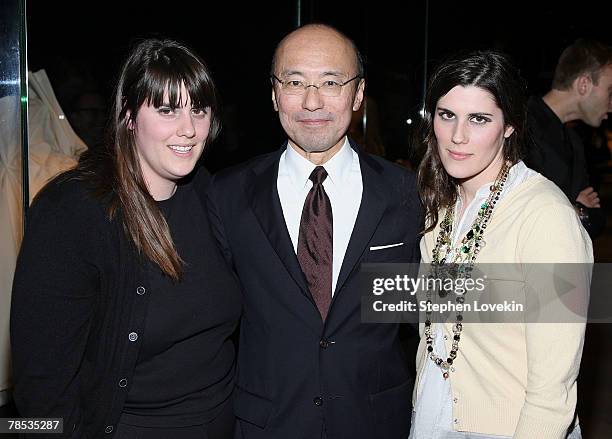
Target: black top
184	371
80	294
557	152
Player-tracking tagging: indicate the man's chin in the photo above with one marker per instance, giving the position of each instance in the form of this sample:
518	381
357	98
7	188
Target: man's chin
310	148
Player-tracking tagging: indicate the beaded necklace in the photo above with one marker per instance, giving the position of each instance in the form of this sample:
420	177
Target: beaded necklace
464	256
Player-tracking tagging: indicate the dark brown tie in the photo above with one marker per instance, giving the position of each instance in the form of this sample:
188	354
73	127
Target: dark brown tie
315	244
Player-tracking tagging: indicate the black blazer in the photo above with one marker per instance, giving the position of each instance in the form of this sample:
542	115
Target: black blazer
297	376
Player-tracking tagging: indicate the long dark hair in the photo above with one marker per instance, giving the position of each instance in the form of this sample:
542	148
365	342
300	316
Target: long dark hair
152	68
492	71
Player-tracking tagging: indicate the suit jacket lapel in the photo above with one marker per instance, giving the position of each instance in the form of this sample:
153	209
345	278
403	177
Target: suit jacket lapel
373	204
265	202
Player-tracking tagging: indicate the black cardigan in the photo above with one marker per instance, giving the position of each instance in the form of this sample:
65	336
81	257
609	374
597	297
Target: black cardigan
79	290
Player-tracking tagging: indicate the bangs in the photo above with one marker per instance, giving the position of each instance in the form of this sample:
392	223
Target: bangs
163	80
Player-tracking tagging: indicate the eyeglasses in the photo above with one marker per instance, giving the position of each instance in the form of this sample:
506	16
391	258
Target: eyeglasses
329	87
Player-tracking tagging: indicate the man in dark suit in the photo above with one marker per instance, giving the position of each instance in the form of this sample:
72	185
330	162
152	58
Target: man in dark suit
295	225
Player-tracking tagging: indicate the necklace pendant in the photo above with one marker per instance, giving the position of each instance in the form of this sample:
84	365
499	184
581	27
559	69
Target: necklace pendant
445	375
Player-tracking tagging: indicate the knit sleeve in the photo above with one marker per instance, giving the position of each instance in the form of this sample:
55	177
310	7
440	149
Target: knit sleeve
53	298
556	254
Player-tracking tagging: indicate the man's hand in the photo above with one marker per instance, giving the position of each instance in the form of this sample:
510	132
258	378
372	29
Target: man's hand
588	197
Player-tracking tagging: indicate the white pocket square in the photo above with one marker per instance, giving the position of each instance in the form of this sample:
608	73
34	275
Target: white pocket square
382	247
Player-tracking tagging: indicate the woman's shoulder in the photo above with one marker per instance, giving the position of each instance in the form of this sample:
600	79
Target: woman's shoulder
545	212
69	194
550	230
538	203
538	191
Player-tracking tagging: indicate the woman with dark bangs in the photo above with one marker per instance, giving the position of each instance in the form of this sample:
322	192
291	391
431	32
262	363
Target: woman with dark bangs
513	377
123	307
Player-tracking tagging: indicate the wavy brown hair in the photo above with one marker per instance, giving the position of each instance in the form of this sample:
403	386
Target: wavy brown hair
153	67
492	71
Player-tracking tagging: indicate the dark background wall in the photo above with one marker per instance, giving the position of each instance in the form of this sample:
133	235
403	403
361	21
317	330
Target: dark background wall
81	46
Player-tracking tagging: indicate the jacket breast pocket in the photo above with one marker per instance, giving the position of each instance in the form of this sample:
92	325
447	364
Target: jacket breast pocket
388	252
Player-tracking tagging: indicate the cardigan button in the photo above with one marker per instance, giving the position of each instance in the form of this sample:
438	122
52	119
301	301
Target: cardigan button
108	429
141	290
133	336
122	382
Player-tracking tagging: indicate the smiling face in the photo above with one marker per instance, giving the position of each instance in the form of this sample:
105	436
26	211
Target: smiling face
169	143
470	132
596	101
316	123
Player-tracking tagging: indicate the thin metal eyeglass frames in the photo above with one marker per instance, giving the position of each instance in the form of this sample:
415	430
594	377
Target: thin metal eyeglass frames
328	87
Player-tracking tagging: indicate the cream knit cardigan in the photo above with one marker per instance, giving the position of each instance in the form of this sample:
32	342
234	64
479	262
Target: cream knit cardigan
517	379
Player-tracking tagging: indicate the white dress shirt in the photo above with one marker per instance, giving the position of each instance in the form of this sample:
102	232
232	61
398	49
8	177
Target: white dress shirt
343	186
433	417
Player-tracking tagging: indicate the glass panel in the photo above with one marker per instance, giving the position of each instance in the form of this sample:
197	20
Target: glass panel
393	47
11	195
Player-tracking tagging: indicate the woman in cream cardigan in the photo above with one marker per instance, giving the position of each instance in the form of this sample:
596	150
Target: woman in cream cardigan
483	205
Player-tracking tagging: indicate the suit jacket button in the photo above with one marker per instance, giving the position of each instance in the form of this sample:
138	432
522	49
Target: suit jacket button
108	429
324	344
122	382
318	401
